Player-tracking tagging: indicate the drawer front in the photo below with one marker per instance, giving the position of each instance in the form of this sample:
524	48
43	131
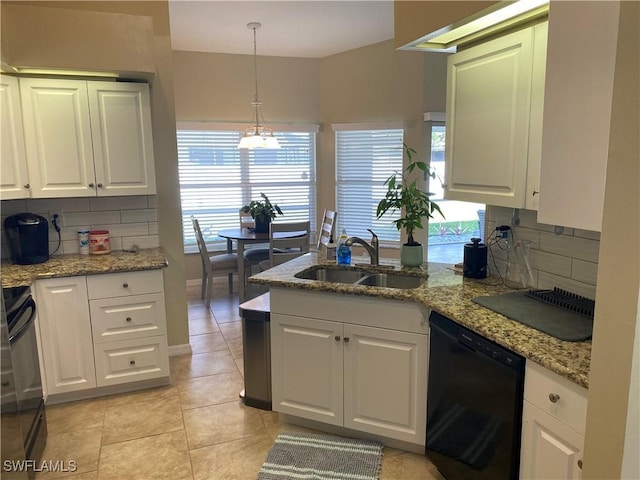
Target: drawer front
124	284
557	396
131	360
126	318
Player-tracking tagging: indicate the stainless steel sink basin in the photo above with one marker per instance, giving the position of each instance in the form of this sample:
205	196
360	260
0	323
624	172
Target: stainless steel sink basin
391	281
333	275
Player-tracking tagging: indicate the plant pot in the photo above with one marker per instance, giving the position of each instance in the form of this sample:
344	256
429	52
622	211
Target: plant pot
411	255
262	225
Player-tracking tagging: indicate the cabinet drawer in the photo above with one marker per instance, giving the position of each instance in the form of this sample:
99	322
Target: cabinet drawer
131	360
126	318
124	284
571	405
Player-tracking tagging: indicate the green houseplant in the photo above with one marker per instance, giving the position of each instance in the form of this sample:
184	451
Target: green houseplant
262	211
413	204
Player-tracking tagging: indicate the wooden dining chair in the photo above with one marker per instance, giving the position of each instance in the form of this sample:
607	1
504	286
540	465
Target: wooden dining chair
213	265
285	249
325	232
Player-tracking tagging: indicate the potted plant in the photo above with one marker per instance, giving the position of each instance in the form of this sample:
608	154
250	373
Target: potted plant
412	202
262	211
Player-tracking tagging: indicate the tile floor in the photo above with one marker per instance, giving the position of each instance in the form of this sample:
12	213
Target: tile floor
196	427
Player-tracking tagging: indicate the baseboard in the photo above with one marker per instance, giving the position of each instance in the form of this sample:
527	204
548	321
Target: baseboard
183	349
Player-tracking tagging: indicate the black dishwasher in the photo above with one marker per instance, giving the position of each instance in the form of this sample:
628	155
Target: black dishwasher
474	404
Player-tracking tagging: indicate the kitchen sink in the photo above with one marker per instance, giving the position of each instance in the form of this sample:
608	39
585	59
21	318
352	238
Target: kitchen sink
332	275
391	281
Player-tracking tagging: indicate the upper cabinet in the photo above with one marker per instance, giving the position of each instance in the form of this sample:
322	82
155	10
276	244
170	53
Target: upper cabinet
494	120
14	182
577	112
87	138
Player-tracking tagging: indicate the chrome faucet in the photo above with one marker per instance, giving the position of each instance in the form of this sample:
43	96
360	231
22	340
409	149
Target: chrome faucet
372	248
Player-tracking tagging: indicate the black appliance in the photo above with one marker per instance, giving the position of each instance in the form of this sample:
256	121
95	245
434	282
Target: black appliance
28	236
474	404
23	407
475	259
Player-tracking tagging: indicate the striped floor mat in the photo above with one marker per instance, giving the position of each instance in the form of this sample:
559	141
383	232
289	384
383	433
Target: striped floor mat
321	457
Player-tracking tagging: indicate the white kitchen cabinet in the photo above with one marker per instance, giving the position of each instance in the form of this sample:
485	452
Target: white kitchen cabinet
87	138
553	422
13	159
360	371
65	330
494	120
577	112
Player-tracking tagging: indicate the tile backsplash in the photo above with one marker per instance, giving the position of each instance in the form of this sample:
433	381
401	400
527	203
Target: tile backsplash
130	220
566	259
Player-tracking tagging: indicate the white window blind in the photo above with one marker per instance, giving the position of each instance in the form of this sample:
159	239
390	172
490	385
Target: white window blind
217	179
364	160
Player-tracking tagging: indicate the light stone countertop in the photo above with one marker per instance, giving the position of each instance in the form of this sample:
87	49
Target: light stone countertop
450	294
70	265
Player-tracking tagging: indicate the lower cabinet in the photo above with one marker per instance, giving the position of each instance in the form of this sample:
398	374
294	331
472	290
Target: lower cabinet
102	330
553	421
361	377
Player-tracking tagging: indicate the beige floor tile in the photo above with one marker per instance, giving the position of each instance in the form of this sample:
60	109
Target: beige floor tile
408	466
231	330
210	390
235	347
207	342
141	419
275	425
238	460
189	366
198	326
240	365
81	446
148	395
158	457
80	476
221	423
226	315
68	417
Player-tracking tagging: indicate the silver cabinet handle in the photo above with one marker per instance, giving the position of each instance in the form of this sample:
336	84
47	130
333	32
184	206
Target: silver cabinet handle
580	464
92	185
346	339
129	319
132	362
27	185
554	397
99	185
125	285
534	193
337	338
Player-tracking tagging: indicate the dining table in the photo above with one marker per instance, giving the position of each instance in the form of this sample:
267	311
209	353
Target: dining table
243	237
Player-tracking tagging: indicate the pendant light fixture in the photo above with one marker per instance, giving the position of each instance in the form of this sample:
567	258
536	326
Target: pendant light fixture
258	135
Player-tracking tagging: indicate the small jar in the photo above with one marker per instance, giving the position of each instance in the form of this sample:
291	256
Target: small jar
99	243
83	242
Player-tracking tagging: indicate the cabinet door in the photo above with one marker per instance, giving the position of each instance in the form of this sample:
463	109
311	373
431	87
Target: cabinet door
549	449
13	158
306	364
58	137
122	138
65	329
488	102
385	382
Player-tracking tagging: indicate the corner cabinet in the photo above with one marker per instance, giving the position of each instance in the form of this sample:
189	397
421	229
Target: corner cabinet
13	158
553	423
365	369
495	95
87	138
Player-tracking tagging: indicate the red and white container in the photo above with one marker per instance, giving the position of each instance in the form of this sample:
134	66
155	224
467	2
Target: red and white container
99	242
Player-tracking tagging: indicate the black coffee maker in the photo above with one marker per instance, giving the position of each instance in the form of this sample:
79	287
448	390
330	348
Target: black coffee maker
475	259
28	237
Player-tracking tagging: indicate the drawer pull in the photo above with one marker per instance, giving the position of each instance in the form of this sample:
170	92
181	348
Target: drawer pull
125	285
132	362
92	185
554	397
129	319
337	338
27	185
580	464
5	384
346	339
99	185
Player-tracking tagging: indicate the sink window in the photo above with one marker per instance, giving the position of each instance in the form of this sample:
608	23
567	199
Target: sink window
217	178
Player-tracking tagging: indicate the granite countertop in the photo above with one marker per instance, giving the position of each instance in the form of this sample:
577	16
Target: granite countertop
450	294
74	264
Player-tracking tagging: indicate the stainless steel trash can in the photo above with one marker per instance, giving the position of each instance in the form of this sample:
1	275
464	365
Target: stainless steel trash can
256	345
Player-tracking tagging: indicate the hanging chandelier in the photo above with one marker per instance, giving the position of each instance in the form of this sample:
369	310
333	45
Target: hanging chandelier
258	135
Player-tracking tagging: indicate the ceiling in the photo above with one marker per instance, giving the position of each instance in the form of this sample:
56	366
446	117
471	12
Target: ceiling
290	28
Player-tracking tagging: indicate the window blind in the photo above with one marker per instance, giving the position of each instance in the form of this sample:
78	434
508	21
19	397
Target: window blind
217	179
364	160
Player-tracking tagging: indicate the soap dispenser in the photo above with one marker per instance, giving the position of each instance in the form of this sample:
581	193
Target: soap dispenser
344	251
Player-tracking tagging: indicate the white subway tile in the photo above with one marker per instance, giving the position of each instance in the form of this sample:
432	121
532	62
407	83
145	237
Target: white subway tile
124	229
137	216
148	241
118	203
586	272
548	281
550	263
153	228
11	207
116	243
82	219
151	201
527	234
69	246
569	246
586	234
64	204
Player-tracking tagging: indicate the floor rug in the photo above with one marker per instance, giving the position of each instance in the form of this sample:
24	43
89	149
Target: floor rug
321	457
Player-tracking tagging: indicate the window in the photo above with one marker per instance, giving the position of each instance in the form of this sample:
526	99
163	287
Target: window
217	179
364	160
